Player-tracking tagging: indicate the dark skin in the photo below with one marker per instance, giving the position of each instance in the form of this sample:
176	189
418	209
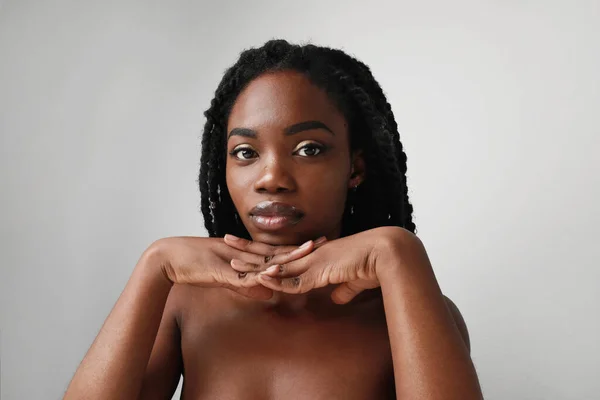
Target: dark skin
311	169
310	330
294	345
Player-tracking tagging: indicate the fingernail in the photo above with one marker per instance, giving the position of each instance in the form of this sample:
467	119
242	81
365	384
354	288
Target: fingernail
320	240
231	237
304	246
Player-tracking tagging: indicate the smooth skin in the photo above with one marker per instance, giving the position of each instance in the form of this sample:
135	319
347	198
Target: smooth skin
358	317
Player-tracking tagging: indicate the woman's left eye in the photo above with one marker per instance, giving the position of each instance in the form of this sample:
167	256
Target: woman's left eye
309	150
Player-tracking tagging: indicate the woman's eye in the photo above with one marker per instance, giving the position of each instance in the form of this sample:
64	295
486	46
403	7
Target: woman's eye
309	150
243	153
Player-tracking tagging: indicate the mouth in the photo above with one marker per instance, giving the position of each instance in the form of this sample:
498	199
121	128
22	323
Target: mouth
273	216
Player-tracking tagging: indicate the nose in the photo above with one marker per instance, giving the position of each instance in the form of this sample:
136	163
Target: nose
275	177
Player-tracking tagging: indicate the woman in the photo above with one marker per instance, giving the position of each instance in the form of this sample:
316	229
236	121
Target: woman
300	147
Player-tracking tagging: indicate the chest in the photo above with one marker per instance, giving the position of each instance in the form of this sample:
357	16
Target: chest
266	356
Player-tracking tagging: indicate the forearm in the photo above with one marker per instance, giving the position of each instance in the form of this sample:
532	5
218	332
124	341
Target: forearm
115	364
431	360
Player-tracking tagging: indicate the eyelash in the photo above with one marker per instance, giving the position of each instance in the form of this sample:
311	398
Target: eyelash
321	149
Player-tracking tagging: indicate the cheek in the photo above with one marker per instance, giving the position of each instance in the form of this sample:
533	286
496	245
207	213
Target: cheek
237	185
327	191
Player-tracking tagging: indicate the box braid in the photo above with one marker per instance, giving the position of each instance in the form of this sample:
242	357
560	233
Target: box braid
381	200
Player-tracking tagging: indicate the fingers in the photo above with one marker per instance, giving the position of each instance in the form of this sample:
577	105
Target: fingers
273	267
295	267
296	277
289	269
298	253
293	285
229	277
266	253
242	266
320	242
255	247
244	283
294	255
342	294
345	292
288	278
254	255
281	259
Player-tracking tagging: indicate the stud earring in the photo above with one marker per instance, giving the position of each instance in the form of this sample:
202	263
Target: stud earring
351	200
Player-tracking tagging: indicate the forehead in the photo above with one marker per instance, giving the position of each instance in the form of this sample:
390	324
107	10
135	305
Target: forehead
283	98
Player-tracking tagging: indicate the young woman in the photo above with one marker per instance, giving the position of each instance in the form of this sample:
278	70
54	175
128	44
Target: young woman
331	295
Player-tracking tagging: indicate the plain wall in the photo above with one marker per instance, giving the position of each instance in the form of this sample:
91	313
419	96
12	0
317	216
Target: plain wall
497	102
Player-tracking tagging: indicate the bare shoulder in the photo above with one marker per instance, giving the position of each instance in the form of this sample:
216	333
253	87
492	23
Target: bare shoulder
460	322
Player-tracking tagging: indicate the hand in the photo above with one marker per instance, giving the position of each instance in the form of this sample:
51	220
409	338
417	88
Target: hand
206	262
269	254
349	261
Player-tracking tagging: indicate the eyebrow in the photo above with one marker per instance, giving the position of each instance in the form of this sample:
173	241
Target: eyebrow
290	130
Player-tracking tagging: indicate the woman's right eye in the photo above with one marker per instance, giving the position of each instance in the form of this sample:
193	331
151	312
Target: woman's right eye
243	153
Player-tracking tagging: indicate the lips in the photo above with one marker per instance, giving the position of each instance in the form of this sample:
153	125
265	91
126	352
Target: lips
271	216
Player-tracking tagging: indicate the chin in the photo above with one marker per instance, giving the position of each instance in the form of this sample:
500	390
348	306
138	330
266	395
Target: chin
277	239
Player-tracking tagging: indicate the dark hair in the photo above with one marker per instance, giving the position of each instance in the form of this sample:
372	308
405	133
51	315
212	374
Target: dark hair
381	200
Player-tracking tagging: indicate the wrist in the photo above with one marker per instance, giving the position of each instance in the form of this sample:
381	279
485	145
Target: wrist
395	249
154	263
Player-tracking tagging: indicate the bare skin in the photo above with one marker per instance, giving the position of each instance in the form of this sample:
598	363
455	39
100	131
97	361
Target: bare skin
245	349
237	332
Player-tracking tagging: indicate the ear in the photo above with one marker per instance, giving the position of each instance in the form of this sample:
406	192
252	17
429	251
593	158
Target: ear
357	170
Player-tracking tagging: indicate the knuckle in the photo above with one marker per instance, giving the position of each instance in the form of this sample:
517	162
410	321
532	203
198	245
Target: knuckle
293	284
267	259
323	276
278	259
248	281
295	281
307	284
247	266
303	262
253	260
219	277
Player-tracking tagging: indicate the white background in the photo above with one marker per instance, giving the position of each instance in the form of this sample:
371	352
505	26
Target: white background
100	119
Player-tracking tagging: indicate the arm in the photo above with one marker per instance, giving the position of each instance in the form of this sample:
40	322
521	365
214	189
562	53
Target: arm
132	357
460	322
114	366
166	364
431	358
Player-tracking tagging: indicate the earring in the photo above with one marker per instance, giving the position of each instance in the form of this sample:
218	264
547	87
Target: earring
352	195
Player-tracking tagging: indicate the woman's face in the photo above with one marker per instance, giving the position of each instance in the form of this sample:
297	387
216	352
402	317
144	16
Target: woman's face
289	164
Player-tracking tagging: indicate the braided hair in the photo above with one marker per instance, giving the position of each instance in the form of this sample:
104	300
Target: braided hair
381	200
